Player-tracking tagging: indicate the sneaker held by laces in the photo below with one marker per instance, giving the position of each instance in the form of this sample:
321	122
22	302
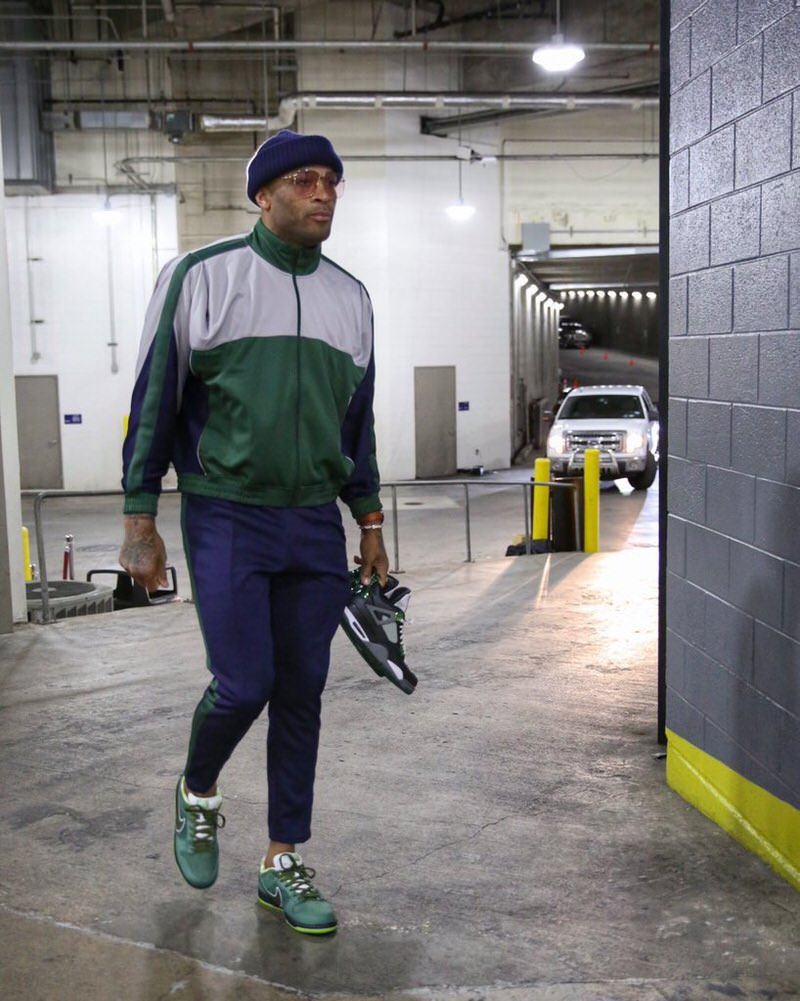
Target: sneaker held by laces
286	887
197	819
373	621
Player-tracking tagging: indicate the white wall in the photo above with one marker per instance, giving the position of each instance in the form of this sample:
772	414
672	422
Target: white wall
439	288
84	304
606	201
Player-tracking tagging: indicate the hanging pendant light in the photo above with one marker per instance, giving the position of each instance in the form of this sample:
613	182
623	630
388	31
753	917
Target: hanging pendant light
558	56
459	211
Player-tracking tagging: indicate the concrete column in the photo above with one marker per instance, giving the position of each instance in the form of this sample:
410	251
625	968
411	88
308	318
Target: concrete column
12	583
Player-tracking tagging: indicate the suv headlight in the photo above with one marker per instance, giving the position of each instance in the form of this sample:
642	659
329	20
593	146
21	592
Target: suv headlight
557	442
634	441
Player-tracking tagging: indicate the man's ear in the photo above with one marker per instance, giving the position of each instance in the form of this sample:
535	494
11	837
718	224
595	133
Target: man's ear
263	198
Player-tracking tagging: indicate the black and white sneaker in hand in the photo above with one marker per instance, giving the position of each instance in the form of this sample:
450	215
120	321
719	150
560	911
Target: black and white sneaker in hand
373	620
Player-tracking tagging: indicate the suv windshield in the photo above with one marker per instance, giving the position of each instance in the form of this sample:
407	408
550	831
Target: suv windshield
600	406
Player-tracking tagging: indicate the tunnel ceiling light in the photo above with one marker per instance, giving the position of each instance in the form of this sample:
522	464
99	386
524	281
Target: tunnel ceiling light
652	296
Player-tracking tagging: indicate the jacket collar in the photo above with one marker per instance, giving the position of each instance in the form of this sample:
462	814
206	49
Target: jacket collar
295	260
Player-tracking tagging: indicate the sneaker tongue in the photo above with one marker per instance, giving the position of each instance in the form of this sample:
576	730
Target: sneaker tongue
206	802
401	600
286	860
398	595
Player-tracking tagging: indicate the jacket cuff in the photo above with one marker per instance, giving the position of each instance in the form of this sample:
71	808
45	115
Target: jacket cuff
359	506
141	504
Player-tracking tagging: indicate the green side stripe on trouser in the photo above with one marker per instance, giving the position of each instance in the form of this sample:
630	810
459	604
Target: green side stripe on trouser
192	580
209	699
204	707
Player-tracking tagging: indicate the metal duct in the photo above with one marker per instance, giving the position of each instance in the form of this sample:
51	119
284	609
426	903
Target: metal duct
404	100
28	160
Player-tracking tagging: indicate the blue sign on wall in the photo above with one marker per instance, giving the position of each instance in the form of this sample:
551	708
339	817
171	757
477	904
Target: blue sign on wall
463	404
73	418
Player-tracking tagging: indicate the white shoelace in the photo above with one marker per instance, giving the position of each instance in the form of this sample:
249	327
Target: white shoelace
204	824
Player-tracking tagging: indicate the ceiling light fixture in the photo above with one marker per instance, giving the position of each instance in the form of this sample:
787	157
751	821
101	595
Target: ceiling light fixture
106	216
558	56
459	211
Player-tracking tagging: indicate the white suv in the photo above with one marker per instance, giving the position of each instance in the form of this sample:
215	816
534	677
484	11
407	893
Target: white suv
620	421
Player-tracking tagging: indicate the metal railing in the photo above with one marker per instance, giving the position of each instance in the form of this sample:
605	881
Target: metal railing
40	496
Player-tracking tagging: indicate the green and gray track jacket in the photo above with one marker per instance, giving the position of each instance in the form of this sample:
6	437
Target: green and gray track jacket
255	379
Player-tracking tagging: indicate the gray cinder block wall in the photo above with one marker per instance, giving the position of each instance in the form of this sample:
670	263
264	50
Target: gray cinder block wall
733	592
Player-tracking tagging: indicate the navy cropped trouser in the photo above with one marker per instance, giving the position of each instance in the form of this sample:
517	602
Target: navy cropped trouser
270	585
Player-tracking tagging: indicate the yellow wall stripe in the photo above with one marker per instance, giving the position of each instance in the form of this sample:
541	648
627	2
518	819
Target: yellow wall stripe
764	824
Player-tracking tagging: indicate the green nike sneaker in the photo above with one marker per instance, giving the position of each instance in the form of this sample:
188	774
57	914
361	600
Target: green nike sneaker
196	848
286	887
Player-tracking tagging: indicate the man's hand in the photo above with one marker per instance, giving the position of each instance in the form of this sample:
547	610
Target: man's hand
143	553
373	557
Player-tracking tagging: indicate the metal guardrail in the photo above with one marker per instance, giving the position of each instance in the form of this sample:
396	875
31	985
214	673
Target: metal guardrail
40	496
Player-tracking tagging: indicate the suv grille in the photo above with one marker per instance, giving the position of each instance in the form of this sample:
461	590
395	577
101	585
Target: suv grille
608	441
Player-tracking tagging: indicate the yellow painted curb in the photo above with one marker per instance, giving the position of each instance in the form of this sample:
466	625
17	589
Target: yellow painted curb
764	824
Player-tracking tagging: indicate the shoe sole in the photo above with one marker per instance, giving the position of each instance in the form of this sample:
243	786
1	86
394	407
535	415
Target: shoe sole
375	654
303	929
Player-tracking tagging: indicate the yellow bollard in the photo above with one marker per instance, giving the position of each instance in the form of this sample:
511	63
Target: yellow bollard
26	554
591	500
541	500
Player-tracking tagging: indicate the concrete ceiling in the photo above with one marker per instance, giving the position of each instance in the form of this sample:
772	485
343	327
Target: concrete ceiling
605	27
594	268
620	39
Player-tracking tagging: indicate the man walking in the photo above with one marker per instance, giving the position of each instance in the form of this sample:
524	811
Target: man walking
255	379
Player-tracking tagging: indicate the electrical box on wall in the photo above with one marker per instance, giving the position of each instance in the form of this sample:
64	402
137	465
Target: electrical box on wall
535	237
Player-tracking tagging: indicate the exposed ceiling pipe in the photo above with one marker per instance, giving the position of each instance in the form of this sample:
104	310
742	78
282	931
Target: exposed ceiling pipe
127	167
292	45
404	100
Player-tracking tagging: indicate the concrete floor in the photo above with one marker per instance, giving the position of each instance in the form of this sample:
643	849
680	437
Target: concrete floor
504	834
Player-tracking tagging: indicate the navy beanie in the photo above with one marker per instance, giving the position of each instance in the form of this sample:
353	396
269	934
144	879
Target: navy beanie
285	151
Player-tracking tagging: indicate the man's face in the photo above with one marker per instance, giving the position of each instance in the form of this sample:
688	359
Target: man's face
297	215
